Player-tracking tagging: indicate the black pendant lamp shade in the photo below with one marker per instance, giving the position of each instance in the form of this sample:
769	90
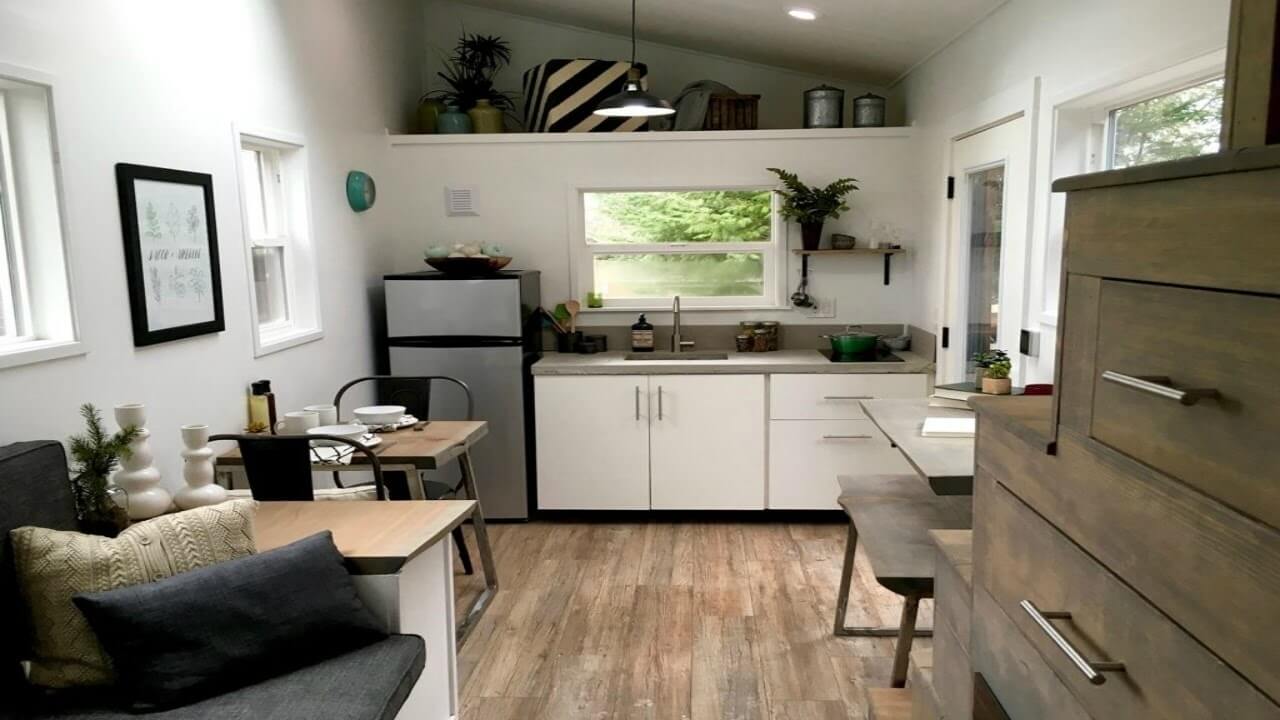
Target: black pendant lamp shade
632	101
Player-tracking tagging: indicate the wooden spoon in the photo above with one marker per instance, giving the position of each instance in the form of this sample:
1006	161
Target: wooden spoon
574	307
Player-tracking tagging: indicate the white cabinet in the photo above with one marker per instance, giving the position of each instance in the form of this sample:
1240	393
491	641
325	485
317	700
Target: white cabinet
837	397
706	442
806	457
593	442
634	442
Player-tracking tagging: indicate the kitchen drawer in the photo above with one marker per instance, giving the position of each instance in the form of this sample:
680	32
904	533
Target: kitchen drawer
1209	231
806	456
952	676
1212	570
953	581
1225	447
836	397
1025	687
1021	559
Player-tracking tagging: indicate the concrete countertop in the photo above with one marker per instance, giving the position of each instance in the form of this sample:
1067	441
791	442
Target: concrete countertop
782	361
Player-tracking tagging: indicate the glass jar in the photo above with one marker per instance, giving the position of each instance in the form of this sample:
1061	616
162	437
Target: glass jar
745	343
772	327
760	340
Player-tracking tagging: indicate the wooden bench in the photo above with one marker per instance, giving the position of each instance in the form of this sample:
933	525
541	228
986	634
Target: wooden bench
893	515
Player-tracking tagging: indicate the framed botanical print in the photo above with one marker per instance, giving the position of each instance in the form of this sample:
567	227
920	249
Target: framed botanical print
171	253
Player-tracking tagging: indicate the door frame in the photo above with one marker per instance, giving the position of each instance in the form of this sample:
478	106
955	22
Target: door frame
1020	101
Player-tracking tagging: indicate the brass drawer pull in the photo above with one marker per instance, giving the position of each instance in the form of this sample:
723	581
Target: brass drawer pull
1160	386
848	397
847	437
1091	670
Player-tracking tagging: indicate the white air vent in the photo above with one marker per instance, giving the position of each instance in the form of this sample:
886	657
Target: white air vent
460	201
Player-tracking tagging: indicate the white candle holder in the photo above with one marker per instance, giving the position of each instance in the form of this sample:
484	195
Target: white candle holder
197	470
139	478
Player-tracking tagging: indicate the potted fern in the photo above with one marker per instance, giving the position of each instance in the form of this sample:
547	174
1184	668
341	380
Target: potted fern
96	454
811	206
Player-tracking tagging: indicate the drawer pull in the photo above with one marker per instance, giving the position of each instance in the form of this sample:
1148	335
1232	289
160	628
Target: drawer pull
637	402
1160	386
848	397
847	437
659	402
1091	670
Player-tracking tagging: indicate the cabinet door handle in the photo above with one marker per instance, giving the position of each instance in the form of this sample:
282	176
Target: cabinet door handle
659	402
848	397
1092	671
847	437
637	402
1160	386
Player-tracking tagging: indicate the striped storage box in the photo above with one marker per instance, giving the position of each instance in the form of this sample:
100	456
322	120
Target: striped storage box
560	96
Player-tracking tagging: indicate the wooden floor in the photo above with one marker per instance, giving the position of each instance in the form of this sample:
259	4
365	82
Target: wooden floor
701	620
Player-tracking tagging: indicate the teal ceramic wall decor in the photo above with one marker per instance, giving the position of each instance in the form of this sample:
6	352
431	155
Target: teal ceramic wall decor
361	191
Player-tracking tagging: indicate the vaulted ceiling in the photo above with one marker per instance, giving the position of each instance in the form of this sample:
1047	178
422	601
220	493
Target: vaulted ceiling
875	41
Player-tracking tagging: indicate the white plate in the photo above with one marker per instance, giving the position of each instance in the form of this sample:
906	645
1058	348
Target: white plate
369	442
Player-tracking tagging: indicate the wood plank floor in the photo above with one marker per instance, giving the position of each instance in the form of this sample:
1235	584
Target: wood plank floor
666	621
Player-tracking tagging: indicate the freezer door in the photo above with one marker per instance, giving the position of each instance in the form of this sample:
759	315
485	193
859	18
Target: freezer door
494	375
477	308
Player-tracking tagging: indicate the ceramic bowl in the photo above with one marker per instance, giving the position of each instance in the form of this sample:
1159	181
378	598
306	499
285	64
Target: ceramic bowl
468	266
379	415
350	432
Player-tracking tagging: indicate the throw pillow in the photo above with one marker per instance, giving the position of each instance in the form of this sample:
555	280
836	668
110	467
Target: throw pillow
240	622
54	565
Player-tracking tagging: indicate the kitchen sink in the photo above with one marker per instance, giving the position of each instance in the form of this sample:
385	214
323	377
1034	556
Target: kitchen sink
651	356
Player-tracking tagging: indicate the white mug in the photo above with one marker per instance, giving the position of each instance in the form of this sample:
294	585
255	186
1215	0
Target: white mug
298	422
328	413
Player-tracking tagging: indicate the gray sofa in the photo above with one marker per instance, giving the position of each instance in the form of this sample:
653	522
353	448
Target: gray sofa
370	683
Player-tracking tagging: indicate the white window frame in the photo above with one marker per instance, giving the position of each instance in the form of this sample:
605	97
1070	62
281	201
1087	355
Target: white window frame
583	254
37	278
1151	93
289	200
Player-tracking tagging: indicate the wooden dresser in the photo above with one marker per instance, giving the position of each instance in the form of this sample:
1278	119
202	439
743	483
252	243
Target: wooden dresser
1126	551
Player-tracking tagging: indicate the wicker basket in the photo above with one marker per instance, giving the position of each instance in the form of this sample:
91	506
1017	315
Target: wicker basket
732	112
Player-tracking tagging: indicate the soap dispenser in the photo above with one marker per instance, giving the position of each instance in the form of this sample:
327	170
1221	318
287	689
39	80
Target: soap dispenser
642	336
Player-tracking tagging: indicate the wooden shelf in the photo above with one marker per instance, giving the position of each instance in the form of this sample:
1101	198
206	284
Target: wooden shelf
852	251
399	140
886	253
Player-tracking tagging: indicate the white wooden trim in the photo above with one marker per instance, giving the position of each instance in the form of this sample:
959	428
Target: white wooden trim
35	351
397	140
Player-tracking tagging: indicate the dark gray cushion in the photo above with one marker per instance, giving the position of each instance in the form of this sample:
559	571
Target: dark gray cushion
370	683
36	488
201	633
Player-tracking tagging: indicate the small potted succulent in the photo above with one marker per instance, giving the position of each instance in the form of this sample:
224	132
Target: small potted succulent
811	206
995	366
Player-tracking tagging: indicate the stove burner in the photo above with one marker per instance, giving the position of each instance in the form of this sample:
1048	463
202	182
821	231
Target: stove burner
878	356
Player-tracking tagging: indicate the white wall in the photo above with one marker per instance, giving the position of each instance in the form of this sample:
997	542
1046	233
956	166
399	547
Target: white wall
670	69
157	82
1075	48
524	194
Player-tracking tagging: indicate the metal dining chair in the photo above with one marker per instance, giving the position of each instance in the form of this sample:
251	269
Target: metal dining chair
279	467
415	393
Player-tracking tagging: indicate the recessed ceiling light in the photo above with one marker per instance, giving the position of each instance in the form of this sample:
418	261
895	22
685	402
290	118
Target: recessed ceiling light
802	14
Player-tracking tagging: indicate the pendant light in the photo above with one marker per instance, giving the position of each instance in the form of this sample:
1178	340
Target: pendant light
632	101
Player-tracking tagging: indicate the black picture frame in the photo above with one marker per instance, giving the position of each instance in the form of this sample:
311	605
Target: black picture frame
144	331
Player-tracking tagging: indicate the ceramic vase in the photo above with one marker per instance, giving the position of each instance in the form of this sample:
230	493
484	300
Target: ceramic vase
137	476
485	118
453	121
197	470
428	114
810	235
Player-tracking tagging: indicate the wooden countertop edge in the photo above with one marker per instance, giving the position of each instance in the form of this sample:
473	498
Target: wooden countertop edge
957	547
373	565
1028	418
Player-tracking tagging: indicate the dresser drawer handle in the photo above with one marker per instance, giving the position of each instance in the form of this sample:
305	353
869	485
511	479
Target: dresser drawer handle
848	397
1091	670
1160	386
847	437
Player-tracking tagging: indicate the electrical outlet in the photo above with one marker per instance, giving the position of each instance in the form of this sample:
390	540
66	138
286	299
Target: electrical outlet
823	308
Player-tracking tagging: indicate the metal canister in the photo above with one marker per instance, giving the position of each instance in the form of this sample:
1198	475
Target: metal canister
824	107
868	111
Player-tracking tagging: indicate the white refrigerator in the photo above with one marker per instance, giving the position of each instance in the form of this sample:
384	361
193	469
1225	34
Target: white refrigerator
483	332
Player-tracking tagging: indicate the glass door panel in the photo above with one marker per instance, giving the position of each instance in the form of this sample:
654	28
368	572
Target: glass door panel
985	242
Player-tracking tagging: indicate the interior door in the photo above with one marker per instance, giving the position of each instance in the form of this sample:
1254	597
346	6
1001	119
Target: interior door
706	442
987	253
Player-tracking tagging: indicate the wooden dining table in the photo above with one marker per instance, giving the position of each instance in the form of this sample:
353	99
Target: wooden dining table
945	463
433	445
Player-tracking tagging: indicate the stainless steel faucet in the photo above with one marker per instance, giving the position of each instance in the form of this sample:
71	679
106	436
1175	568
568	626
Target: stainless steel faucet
677	343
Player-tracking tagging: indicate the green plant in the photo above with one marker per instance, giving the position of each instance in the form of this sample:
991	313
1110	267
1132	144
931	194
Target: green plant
806	204
995	364
470	70
96	454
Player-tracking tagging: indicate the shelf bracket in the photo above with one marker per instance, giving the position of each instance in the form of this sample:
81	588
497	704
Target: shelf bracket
887	258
